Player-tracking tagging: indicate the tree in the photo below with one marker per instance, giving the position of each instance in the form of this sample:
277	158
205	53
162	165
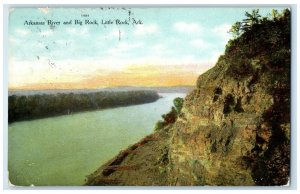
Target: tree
236	29
171	116
178	103
252	18
275	14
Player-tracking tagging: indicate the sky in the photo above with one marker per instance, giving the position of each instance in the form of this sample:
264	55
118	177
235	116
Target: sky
156	47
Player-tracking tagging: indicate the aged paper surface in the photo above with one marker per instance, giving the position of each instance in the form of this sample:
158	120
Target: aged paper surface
149	96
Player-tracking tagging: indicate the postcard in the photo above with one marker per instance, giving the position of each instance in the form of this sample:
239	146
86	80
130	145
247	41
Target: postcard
149	96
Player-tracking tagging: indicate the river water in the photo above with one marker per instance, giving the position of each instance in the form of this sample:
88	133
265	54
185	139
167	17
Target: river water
62	150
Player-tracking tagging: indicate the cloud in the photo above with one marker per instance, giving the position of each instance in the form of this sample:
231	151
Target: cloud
158	47
14	40
187	27
74	72
22	32
222	31
199	43
146	29
215	56
46	33
26	72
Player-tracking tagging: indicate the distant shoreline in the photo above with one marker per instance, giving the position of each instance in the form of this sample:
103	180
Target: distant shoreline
172	89
27	107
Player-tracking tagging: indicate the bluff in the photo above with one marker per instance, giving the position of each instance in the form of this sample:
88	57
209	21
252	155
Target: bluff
233	129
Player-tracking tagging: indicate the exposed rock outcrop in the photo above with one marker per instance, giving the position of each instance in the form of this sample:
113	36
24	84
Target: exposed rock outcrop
227	133
234	128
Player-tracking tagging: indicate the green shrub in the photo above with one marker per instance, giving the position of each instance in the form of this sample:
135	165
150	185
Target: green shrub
171	116
159	125
178	103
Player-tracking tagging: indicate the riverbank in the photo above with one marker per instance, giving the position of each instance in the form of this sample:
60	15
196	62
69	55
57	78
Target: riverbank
46	105
63	150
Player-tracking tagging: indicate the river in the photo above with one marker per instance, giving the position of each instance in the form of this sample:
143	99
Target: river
63	150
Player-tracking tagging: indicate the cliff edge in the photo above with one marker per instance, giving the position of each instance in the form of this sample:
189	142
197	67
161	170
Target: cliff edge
233	129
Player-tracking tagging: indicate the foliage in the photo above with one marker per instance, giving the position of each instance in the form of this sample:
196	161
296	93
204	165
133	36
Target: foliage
159	125
260	45
252	19
240	27
235	29
178	103
261	51
45	105
172	115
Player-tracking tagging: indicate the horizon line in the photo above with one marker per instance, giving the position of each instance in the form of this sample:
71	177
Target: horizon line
24	89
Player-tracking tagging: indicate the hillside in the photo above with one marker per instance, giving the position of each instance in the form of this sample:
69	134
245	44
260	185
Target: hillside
233	129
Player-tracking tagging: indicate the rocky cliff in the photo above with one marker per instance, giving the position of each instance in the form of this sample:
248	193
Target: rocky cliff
233	129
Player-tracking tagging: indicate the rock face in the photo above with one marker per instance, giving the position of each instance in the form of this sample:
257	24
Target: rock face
223	133
143	163
234	128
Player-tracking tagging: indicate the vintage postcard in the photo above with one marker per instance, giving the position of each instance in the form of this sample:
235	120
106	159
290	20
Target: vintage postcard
149	96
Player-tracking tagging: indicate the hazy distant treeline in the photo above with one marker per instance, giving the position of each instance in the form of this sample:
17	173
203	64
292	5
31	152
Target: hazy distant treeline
45	105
